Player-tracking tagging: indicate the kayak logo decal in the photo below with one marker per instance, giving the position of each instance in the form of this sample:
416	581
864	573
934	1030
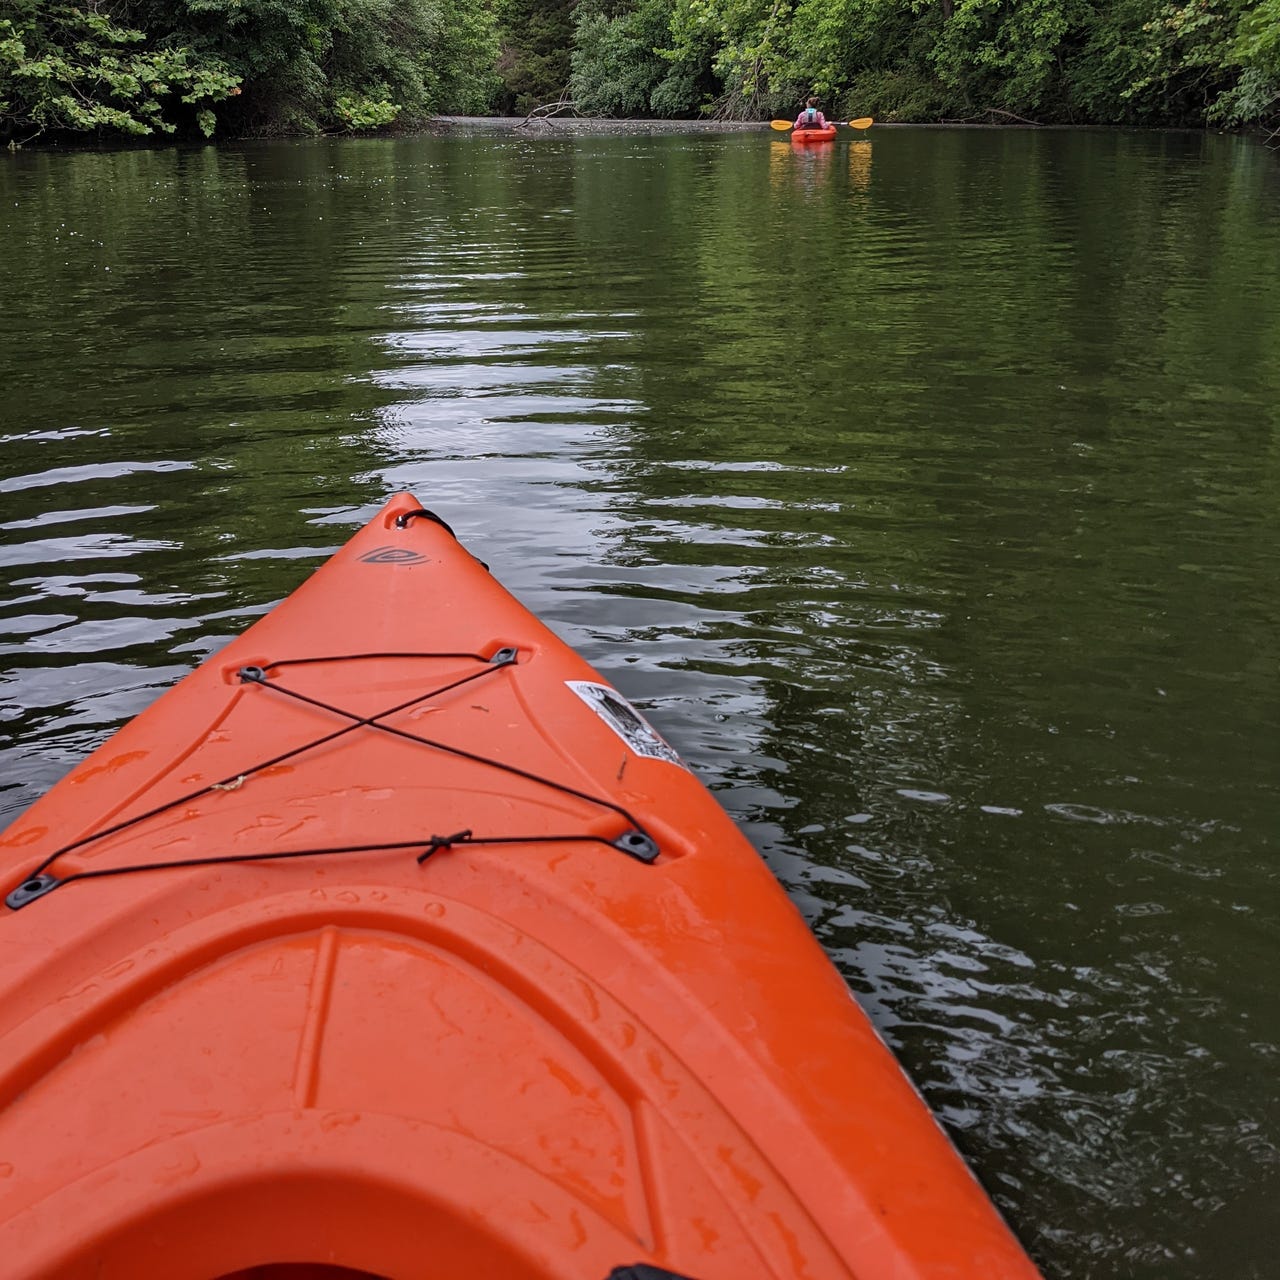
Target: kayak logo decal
624	720
393	555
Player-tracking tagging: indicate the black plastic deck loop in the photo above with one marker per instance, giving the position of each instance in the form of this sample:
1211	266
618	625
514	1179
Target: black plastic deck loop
30	889
637	844
421	513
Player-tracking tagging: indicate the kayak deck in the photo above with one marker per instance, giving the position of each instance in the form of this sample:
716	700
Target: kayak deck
393	940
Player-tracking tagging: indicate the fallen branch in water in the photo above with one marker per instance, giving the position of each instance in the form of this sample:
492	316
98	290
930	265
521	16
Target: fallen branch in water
994	111
1272	139
544	112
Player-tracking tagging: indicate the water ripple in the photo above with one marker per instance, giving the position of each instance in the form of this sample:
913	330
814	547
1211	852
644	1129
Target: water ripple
923	493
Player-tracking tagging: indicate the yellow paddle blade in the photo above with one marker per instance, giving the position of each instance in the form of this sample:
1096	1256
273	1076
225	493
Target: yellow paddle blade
865	123
780	125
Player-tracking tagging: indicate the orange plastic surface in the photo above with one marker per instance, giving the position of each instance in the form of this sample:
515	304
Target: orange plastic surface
533	1061
807	136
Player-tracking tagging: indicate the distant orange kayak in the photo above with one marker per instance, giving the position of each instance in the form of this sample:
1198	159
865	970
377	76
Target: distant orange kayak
393	942
809	136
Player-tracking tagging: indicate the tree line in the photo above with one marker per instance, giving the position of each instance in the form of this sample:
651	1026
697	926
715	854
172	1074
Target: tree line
262	67
239	67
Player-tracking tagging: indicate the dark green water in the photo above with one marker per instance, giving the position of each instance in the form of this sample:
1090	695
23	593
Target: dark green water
926	491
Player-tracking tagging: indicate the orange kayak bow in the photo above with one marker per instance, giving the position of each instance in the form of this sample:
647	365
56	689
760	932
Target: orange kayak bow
393	942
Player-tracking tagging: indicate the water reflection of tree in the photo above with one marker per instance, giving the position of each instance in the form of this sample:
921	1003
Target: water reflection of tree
197	306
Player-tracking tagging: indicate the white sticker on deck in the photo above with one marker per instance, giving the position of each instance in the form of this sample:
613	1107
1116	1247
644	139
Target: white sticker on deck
624	720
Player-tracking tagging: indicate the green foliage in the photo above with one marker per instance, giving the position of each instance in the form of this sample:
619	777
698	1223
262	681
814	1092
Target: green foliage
744	44
254	66
823	40
360	112
1169	61
1128	61
896	96
1257	41
1256	46
69	69
627	60
691	84
1005	56
381	59
536	38
615	65
463	77
146	67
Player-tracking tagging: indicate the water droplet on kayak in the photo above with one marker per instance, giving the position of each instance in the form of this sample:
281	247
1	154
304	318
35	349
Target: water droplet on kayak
26	837
339	1120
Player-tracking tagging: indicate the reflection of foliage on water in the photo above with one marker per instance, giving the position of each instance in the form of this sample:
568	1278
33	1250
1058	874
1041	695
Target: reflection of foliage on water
158	322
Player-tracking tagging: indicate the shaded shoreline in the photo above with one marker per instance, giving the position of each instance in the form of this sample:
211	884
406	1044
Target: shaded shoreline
543	125
575	125
581	126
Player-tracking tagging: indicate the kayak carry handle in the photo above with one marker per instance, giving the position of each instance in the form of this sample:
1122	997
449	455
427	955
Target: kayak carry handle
421	513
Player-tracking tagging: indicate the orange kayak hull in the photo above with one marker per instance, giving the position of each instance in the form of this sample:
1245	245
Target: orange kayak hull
807	137
392	940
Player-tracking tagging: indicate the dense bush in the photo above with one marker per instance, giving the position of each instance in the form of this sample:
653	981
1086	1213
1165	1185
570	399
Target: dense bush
1128	61
69	69
622	65
243	66
536	38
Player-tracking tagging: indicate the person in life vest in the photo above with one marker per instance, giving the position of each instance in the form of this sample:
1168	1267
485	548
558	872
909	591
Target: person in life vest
810	117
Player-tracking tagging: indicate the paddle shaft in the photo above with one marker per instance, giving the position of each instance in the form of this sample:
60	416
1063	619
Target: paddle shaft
863	122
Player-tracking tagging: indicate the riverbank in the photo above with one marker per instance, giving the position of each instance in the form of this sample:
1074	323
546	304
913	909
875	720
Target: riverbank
584	124
587	126
155	71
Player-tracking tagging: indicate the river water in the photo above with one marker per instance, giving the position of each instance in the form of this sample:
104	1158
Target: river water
925	491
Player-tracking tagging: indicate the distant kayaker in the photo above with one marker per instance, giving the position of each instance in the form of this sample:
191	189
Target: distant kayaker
810	117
